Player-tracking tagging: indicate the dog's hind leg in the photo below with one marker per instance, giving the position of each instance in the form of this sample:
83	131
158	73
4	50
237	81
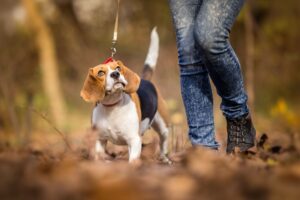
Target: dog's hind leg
160	126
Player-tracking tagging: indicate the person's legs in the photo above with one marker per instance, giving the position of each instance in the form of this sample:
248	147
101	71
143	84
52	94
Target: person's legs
195	85
212	27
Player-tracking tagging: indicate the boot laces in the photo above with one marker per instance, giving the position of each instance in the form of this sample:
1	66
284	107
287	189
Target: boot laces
237	130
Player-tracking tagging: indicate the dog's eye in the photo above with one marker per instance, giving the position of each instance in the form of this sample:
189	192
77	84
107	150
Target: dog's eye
118	68
101	73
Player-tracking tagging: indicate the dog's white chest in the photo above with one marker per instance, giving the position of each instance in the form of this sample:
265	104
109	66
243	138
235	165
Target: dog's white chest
119	123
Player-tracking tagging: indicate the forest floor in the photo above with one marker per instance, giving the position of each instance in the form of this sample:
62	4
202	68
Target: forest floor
48	171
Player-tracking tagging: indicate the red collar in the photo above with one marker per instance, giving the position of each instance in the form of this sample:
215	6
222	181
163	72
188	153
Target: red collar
108	60
111	105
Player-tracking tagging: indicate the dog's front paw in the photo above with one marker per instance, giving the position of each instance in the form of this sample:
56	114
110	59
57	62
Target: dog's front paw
102	157
136	163
164	159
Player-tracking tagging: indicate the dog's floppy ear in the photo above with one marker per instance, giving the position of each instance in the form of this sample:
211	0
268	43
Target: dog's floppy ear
133	80
93	89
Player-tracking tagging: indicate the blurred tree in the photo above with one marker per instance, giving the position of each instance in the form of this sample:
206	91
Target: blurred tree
8	100
47	61
19	76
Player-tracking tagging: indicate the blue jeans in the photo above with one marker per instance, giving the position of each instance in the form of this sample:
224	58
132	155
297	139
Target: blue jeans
202	32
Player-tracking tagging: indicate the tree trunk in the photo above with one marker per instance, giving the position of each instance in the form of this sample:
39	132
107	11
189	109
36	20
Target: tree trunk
47	61
8	99
249	60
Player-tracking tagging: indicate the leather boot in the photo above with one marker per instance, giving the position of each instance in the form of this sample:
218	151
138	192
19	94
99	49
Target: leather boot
241	133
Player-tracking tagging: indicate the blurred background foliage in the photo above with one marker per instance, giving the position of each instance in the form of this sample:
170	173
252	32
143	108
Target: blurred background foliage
80	31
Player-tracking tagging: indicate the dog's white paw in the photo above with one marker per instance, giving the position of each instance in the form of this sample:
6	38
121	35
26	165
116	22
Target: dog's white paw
164	159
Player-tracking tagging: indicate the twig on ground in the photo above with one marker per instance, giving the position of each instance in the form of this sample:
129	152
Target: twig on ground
54	127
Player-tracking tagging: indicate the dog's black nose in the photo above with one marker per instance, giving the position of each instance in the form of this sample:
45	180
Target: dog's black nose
115	75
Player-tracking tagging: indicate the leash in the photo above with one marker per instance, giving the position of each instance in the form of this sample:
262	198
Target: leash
115	33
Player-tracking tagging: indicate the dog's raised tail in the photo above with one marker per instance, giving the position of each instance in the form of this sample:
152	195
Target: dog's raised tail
151	59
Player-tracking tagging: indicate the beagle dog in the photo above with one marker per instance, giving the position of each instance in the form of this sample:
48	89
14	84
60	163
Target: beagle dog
126	105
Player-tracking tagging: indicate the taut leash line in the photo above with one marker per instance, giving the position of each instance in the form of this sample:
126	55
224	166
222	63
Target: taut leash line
115	34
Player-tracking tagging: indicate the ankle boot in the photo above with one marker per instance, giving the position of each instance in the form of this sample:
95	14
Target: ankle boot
241	133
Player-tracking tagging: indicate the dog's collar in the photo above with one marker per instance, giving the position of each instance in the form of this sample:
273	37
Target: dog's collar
110	105
108	60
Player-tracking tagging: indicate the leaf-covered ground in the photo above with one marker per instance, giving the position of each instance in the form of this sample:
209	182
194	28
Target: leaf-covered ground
271	172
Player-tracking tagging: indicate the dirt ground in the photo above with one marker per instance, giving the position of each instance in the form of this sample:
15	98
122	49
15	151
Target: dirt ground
272	171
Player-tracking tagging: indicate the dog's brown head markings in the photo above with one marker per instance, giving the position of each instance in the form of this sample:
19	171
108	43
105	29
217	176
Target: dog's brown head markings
133	80
96	83
93	88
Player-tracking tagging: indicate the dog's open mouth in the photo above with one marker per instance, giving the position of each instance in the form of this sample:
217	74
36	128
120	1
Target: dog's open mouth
119	85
